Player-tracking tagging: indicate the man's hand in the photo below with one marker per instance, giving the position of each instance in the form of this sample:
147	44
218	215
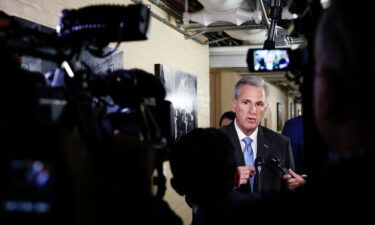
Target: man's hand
293	180
243	174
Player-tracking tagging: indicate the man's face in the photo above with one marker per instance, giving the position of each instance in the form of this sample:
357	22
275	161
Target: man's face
250	107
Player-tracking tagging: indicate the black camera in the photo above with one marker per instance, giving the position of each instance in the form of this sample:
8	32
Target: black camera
73	122
115	23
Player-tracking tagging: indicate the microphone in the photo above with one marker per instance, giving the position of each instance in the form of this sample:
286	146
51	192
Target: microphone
259	164
275	160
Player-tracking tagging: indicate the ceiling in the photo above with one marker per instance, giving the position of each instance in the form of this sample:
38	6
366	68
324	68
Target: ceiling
215	37
216	34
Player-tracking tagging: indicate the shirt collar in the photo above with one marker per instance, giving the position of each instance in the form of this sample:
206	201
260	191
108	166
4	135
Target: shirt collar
241	135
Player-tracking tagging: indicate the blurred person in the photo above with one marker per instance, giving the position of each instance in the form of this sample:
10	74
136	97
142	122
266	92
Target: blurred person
293	129
344	115
226	118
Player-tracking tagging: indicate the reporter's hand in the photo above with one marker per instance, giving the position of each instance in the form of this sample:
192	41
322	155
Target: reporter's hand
243	174
293	180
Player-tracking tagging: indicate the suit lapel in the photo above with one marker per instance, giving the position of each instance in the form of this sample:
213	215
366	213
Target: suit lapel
263	151
263	146
233	136
236	144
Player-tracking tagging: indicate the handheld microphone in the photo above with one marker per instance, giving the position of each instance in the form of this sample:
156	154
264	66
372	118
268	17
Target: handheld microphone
275	160
259	164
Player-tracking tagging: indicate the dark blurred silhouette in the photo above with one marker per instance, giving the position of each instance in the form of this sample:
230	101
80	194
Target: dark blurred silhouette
343	90
104	180
293	129
203	168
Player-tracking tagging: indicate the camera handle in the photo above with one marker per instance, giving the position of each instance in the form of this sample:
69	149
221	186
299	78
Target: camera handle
160	144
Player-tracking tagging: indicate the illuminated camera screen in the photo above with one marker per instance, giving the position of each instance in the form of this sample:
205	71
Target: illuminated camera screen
269	60
29	187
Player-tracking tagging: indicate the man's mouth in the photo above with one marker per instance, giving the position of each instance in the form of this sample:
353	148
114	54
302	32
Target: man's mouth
251	119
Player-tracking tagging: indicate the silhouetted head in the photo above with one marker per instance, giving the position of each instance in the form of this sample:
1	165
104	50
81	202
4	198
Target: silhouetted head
203	165
343	76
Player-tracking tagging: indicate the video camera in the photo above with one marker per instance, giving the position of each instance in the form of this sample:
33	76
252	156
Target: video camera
98	120
293	61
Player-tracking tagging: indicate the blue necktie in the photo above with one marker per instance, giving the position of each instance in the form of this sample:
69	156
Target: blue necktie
249	157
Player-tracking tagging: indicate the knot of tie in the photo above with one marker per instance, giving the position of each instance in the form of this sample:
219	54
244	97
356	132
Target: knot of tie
247	140
248	152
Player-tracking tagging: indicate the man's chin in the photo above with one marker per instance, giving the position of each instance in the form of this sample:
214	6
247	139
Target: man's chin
250	129
251	126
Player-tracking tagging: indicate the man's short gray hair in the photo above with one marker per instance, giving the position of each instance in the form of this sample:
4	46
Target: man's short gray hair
252	81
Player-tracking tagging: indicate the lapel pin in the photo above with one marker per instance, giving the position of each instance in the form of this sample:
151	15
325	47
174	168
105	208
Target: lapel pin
265	145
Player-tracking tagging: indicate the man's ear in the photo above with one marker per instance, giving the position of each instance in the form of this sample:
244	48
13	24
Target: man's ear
177	186
234	104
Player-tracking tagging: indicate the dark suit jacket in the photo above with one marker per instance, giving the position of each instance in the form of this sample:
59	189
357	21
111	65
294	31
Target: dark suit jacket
293	129
269	143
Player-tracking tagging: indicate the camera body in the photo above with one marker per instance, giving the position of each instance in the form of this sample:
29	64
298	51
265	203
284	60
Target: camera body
83	149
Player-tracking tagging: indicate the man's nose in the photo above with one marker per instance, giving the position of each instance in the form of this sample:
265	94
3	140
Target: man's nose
252	109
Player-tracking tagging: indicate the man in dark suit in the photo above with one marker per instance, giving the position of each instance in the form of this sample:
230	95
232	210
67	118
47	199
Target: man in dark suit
249	104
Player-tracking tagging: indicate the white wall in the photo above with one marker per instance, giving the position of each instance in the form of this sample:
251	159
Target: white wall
277	96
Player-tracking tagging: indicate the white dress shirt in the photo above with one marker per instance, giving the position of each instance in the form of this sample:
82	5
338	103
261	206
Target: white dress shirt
253	137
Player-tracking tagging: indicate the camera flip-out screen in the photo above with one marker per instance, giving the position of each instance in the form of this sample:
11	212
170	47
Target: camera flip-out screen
268	60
